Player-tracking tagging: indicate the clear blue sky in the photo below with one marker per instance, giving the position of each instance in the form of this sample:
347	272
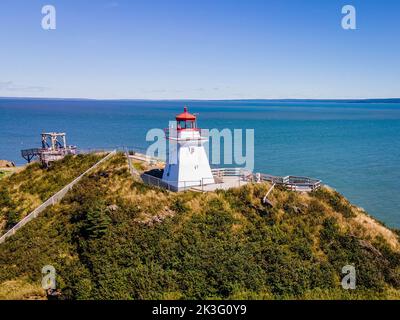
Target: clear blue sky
200	49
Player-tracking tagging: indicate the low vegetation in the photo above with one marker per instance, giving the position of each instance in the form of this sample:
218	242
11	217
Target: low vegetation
115	238
2	174
22	192
21	290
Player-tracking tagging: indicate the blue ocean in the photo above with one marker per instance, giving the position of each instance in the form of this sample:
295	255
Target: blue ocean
353	146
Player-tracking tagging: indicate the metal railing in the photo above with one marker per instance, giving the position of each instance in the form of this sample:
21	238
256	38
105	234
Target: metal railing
230	172
142	157
30	152
294	183
52	200
173	186
95	150
189	134
199	185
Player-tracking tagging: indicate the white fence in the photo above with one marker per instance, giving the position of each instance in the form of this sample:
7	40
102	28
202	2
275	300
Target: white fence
199	185
159	183
301	184
294	183
51	201
221	175
231	172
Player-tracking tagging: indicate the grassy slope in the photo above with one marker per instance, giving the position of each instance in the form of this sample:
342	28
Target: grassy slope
6	172
113	238
21	193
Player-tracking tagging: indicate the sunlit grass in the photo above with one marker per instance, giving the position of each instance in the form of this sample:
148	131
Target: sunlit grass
22	192
112	237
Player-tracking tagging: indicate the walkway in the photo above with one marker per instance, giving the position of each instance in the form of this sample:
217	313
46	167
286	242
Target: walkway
51	201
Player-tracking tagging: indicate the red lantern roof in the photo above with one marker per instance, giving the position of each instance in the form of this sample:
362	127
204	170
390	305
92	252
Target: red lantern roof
185	116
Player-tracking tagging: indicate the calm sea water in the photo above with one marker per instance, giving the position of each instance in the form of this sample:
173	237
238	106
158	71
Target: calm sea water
353	147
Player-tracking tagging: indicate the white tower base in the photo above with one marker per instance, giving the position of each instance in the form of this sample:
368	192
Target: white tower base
187	164
191	167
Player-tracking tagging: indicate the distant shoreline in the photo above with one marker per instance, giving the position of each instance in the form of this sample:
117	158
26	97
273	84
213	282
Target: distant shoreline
378	100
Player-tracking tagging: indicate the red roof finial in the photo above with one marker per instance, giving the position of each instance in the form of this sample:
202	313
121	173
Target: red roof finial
185	116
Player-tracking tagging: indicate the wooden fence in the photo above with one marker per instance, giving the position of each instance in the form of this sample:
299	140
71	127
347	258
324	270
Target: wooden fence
51	201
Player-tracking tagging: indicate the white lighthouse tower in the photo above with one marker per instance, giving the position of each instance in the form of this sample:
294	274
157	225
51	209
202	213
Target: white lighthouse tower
187	163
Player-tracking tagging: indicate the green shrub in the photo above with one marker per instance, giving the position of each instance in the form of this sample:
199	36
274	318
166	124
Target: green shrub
210	246
37	184
336	201
179	206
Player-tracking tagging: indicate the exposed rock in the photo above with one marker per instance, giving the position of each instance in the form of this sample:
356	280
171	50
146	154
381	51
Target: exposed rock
113	207
367	245
268	203
159	218
292	209
6	164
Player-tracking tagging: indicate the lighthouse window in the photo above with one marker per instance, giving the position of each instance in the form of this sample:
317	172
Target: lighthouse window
190	125
182	124
191	150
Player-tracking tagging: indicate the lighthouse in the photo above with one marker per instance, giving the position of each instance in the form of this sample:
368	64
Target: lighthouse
187	163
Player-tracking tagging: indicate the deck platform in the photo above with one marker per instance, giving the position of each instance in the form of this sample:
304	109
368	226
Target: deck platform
227	178
226	183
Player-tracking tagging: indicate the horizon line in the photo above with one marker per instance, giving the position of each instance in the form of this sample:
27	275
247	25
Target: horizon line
205	99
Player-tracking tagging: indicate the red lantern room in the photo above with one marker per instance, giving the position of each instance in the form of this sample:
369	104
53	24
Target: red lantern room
186	120
187	163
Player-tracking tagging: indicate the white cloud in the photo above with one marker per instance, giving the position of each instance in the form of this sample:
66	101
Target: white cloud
10	86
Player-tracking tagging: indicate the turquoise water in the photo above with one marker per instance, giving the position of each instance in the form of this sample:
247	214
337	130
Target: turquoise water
353	147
